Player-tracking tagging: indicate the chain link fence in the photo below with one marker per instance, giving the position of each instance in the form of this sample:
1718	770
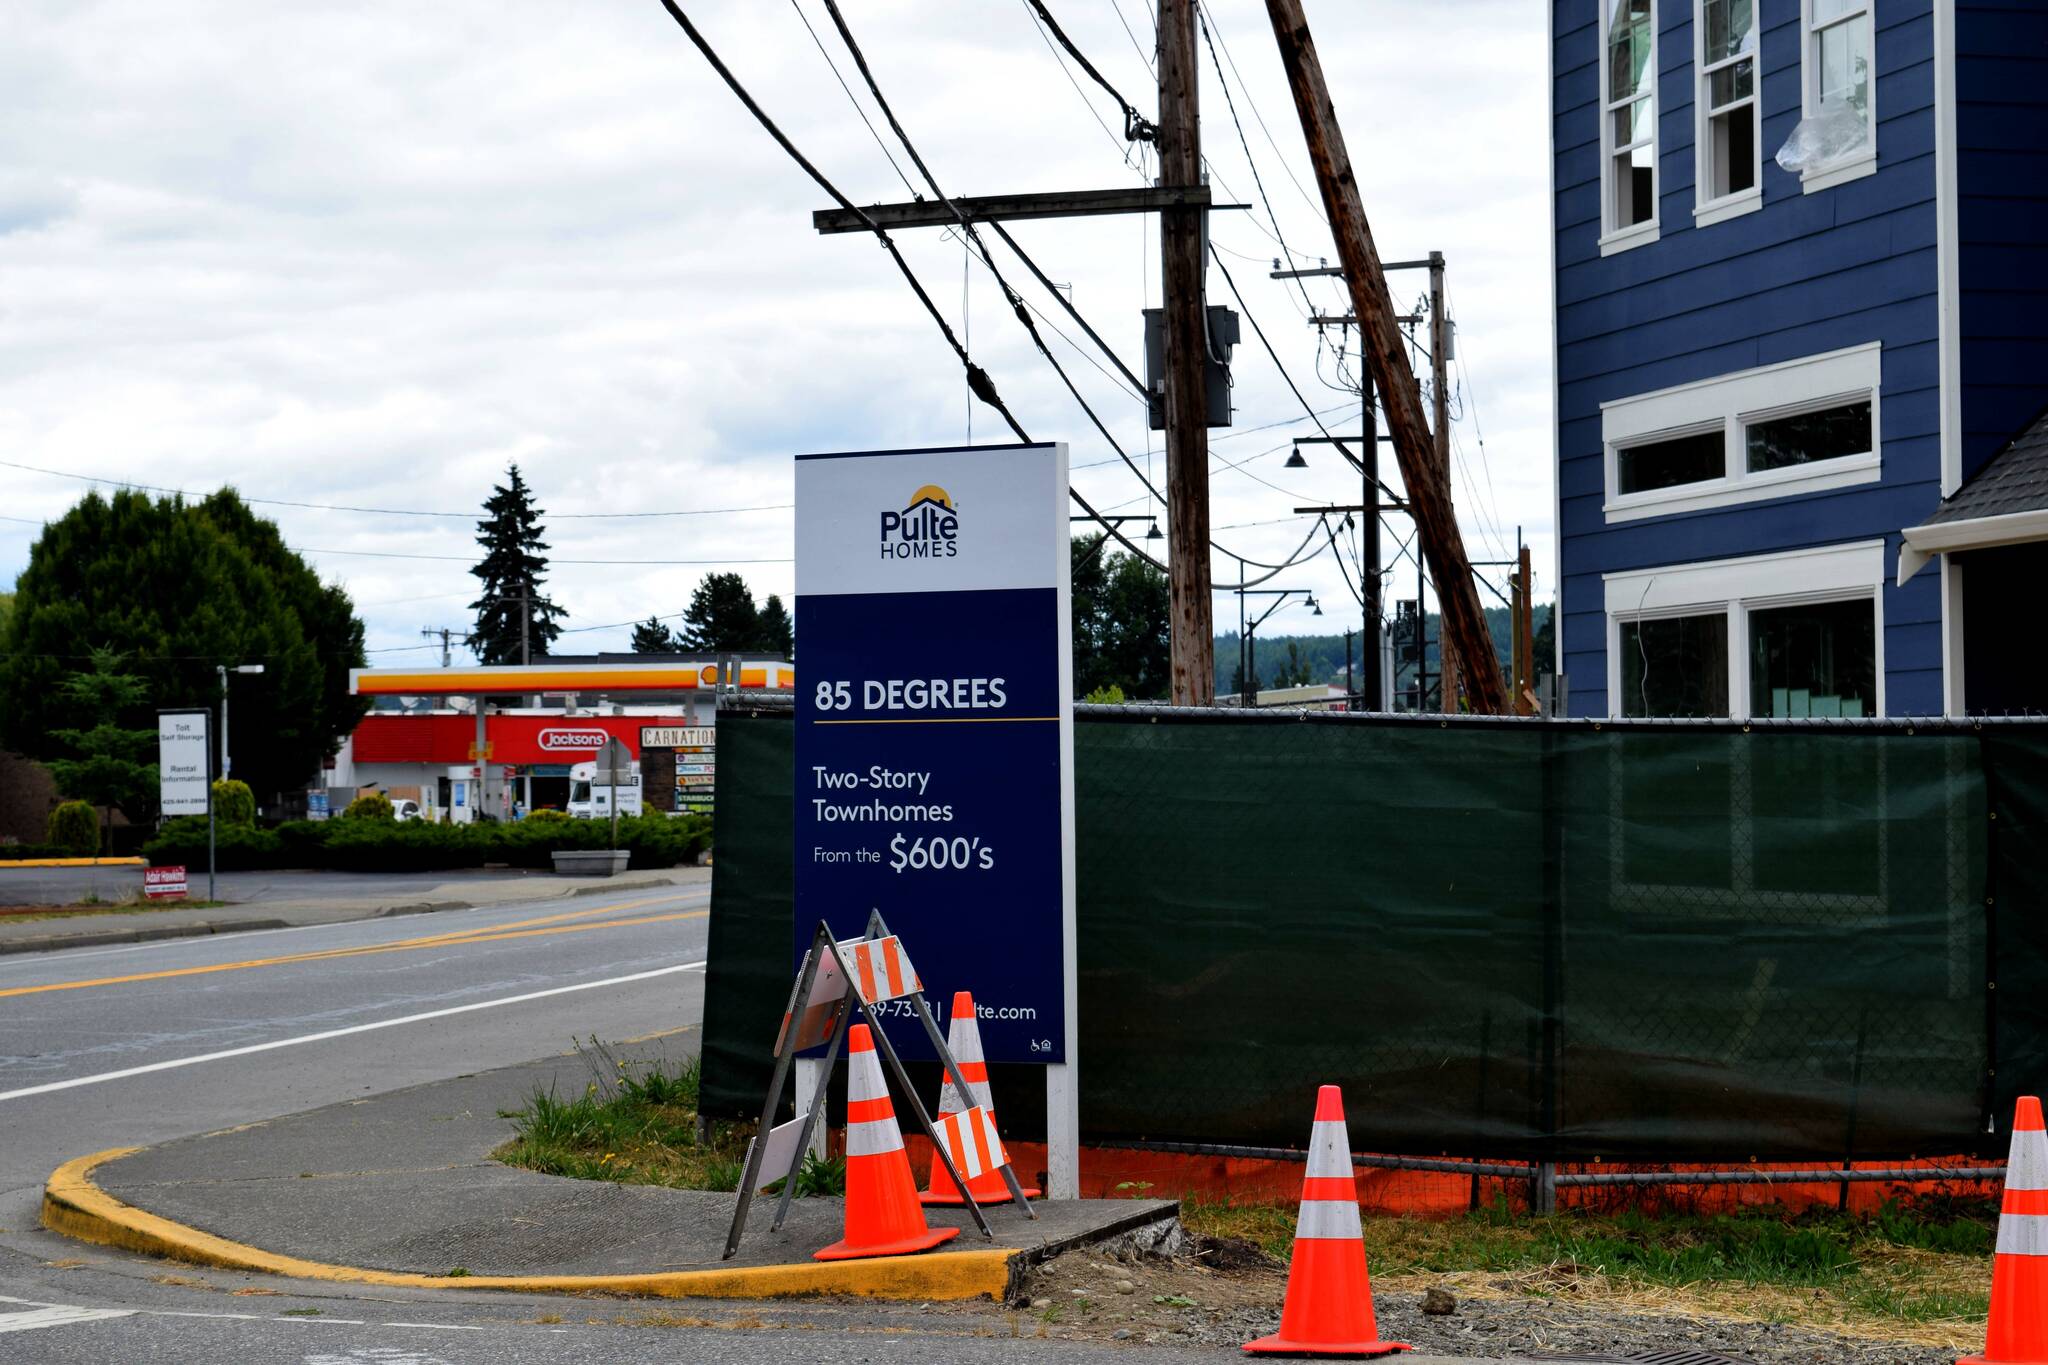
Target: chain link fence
1552	941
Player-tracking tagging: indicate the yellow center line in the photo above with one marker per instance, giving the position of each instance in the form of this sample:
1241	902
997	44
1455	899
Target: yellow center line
493	934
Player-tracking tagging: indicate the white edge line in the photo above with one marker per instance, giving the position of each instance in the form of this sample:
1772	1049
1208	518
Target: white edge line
323	1036
8	960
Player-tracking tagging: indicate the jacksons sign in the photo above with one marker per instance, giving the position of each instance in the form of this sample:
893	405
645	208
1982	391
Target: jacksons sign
935	725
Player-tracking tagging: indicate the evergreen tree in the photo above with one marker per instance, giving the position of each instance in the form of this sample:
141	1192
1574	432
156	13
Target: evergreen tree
722	616
175	588
652	637
777	634
512	610
107	766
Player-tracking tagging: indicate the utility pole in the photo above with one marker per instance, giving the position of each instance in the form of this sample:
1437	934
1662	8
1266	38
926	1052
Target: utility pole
1429	495
1525	632
1440	428
1182	252
445	634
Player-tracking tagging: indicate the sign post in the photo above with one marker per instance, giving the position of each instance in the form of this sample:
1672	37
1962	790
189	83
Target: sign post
934	742
614	765
182	758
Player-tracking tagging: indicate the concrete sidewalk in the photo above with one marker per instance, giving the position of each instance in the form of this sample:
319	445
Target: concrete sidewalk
291	899
403	1184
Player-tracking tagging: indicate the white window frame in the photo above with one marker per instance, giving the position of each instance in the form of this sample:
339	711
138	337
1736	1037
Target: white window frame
1709	209
1859	164
1612	238
1732	402
1741	898
1828	573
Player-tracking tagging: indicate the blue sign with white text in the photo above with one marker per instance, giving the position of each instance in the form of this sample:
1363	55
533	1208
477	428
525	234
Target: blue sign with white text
934	726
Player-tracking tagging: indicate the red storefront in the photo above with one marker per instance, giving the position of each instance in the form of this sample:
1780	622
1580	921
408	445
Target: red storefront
438	748
442	739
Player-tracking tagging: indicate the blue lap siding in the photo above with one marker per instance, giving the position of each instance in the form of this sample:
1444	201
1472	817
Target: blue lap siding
1804	274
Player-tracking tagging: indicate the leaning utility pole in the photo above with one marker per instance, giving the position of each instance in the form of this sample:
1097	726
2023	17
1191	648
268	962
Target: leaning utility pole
1429	495
1182	252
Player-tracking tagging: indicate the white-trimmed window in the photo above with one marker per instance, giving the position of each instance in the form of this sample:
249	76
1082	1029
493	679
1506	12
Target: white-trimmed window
1840	87
1628	123
1730	160
1794	635
1800	426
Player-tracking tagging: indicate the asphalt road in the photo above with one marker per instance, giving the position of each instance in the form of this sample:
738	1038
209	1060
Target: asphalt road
126	1046
114	1047
69	885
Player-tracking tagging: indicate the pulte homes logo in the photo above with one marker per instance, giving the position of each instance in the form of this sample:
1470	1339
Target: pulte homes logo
927	528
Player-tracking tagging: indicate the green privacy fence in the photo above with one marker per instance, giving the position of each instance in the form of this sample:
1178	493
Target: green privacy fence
1548	939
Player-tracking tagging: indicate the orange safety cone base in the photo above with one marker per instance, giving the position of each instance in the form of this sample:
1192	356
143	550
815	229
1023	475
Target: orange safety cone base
923	1241
1277	1345
1999	1360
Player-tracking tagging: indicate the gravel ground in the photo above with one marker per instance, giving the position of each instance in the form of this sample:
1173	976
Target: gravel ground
1226	1295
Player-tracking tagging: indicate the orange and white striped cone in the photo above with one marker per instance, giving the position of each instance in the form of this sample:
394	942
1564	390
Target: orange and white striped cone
963	1040
883	1217
1329	1295
2018	1331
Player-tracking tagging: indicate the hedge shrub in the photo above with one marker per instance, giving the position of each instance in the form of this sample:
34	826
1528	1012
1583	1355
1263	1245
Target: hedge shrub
233	802
75	828
14	853
370	806
372	845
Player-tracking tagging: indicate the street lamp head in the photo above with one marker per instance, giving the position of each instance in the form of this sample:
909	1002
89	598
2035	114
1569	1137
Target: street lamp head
248	668
1154	533
1295	461
1314	605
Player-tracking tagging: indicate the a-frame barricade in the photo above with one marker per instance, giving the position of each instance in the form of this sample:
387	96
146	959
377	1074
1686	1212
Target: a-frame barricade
836	980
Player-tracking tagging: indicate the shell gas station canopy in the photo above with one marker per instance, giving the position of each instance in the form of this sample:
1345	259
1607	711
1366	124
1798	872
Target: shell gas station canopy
567	678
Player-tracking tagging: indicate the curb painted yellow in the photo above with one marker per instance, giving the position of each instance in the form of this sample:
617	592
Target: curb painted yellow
72	862
78	1208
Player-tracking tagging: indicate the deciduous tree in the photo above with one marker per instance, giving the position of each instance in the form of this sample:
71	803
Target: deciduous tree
175	589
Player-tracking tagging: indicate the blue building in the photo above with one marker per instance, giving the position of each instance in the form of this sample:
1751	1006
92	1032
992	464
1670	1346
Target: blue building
1801	269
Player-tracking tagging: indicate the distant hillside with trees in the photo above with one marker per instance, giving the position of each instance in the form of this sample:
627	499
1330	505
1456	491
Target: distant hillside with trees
1320	658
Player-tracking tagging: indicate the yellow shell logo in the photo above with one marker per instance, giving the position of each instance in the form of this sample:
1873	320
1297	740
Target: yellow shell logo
931	492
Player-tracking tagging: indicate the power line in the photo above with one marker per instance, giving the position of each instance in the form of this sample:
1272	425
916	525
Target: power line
1136	127
1016	302
977	379
1315	206
467	559
1257	181
851	99
380	511
1306	407
1122	149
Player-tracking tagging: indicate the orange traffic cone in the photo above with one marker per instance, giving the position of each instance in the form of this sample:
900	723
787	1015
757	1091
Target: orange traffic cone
883	1217
2018	1331
963	1040
1329	1295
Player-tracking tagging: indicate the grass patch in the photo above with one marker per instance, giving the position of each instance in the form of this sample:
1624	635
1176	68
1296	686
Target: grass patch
1918	1272
639	1127
134	905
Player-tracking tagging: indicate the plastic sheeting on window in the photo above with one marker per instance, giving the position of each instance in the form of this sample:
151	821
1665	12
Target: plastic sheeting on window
1837	132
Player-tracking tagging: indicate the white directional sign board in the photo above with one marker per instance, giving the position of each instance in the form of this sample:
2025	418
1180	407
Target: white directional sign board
182	753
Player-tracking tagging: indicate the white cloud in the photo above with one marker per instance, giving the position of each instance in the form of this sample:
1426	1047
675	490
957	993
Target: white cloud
367	253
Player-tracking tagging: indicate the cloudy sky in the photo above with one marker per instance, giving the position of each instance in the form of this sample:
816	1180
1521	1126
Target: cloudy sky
368	253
